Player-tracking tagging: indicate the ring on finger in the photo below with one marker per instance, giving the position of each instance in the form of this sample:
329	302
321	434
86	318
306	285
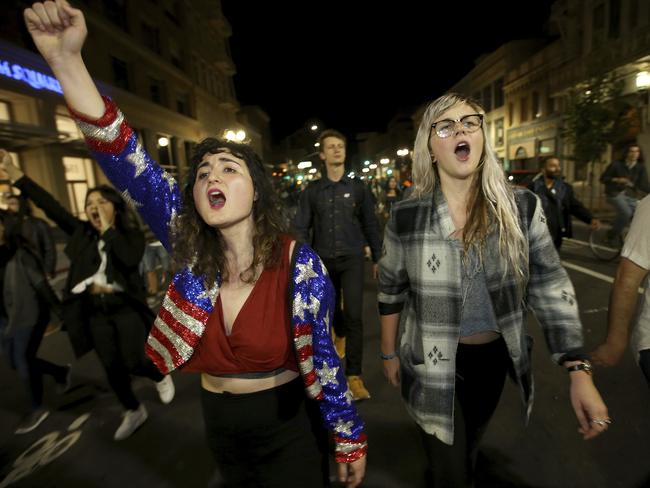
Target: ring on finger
602	422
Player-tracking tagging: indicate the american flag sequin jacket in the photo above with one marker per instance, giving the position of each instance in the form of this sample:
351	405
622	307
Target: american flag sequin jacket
187	305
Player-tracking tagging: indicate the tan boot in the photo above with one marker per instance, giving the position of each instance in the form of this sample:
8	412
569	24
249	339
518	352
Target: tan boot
358	389
339	345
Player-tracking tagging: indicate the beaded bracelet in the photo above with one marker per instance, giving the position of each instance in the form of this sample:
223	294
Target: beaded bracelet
388	356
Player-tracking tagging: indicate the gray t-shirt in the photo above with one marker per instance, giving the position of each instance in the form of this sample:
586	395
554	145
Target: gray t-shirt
477	314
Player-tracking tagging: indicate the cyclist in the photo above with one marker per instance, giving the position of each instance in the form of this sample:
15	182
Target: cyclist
625	183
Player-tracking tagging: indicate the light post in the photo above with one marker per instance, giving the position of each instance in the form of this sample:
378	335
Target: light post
235	135
642	83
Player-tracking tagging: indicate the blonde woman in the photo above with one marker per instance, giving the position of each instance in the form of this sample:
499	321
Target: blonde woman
465	256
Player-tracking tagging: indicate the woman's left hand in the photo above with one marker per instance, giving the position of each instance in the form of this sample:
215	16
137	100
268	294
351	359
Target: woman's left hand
352	473
588	405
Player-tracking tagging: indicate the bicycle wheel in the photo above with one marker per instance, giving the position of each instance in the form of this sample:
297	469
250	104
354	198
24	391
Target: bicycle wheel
605	247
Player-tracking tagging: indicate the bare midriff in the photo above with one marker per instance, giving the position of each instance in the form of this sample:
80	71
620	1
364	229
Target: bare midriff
480	338
221	384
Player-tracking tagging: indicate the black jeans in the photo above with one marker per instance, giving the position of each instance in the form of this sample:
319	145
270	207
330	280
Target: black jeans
346	273
270	438
22	352
119	335
480	376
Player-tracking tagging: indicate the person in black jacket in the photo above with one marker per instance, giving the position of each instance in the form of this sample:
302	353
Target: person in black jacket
37	231
558	201
29	301
626	182
104	303
340	212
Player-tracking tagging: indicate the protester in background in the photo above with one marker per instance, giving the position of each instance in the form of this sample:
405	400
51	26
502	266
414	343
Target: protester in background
37	231
156	266
625	183
104	297
465	256
559	201
339	212
29	302
247	308
391	195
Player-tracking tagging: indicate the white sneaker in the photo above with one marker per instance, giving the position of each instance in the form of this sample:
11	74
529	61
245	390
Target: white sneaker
132	420
166	389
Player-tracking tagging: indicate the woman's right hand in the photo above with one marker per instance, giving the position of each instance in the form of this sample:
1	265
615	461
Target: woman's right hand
58	30
391	370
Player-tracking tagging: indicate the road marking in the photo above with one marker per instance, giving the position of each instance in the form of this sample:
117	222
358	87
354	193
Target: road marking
592	273
44	451
588	271
575	241
583	243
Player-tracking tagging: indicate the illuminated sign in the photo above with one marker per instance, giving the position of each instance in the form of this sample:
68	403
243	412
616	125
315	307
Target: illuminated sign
33	78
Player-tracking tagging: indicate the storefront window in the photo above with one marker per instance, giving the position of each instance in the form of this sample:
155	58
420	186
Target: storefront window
79	177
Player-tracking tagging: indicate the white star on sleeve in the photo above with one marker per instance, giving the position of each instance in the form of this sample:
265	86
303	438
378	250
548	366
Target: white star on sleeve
344	427
137	159
305	272
300	305
323	268
130	200
327	375
349	396
171	181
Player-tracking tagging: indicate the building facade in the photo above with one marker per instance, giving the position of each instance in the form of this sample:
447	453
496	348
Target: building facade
166	63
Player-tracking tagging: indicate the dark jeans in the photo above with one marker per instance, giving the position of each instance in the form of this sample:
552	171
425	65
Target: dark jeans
346	273
21	350
119	335
644	362
270	438
480	375
625	207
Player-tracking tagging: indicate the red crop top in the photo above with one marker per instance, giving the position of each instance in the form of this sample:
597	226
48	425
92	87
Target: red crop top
260	340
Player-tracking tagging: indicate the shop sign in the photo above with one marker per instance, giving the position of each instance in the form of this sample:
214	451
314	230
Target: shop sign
33	78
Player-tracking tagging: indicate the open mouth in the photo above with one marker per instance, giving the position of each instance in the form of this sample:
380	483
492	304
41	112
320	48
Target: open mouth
94	216
216	198
462	151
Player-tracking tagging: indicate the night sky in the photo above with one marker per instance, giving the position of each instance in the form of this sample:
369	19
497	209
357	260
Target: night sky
355	64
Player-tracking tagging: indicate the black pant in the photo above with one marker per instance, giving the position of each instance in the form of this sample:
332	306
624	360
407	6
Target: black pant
23	348
119	335
269	438
346	273
480	375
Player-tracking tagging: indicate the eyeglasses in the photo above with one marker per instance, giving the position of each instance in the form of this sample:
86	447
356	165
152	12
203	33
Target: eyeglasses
468	123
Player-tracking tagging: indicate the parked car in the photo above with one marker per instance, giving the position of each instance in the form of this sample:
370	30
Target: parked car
521	177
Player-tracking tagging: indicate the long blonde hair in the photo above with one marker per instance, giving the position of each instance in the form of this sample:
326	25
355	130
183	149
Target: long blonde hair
492	201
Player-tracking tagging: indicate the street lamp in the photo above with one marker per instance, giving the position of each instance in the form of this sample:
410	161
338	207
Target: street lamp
642	83
304	164
238	136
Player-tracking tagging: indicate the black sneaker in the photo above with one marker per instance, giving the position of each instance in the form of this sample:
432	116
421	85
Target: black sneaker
31	421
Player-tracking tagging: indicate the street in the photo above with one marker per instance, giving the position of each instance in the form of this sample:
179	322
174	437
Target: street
71	450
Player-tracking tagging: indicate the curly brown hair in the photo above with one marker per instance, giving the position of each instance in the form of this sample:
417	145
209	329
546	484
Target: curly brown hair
202	247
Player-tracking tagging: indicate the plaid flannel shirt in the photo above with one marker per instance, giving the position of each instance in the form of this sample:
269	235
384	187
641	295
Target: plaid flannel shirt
420	277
